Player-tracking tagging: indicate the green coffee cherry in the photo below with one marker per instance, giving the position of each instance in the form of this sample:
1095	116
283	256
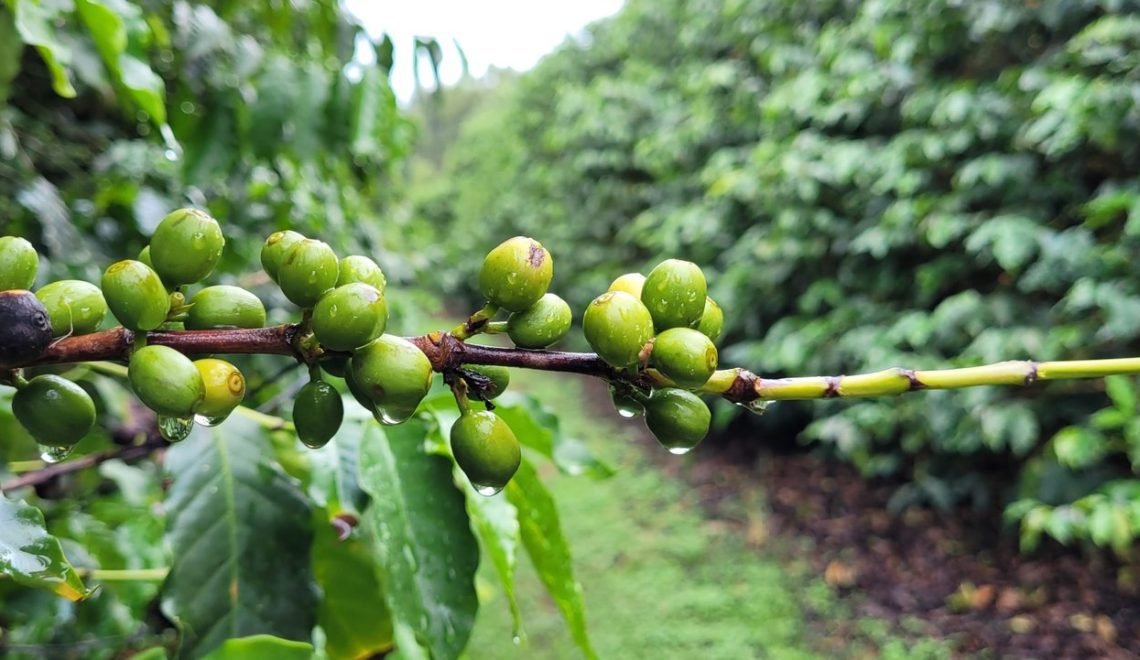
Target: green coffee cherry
498	378
674	293
136	295
712	320
684	356
355	268
631	283
516	273
275	248
677	418
617	326
358	392
335	365
318	412
350	316
25	329
144	256
394	374
541	324
225	306
223	389
74	307
486	450
18	263
309	269
166	381
186	246
54	410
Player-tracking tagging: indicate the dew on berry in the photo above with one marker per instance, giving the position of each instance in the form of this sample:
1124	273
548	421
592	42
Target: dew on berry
54	454
175	429
203	420
487	491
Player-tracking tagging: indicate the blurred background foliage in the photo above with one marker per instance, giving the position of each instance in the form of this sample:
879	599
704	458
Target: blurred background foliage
867	184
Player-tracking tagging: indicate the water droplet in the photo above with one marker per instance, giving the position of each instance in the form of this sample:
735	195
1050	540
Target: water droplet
390	418
679	451
202	420
756	407
170	155
54	454
175	429
627	413
487	491
516	640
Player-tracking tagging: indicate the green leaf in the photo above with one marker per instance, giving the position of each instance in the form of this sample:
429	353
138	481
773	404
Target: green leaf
424	547
113	38
241	534
35	23
31	556
352	612
546	545
10	47
333	477
261	647
1078	447
497	524
538	428
1122	393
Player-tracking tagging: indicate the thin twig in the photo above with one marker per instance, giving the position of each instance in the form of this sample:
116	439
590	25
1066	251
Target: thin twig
50	472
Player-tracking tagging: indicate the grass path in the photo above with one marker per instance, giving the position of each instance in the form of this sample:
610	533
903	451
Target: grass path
661	581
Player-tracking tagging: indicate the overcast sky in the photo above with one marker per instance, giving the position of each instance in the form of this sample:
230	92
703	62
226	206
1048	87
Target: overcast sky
503	33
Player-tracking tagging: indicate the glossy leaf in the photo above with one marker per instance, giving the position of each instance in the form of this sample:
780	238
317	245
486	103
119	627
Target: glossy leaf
496	522
34	22
31	556
353	612
107	22
424	549
545	543
237	525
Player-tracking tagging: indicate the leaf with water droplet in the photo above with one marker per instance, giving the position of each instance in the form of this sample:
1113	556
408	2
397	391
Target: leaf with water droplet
541	533
31	556
496	522
422	535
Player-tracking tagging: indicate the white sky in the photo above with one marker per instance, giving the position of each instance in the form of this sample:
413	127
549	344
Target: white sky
503	33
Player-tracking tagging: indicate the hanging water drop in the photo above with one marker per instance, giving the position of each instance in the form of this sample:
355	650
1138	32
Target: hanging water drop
679	451
175	429
487	491
389	418
628	413
202	420
516	640
54	454
756	406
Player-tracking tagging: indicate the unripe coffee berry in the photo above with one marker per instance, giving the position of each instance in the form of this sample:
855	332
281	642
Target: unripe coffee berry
541	324
684	356
677	418
357	268
516	273
318	412
135	295
631	283
486	450
350	316
74	307
225	306
166	381
54	410
712	320
25	329
186	246
617	326
223	389
675	292
309	269
275	248
18	263
394	374
497	379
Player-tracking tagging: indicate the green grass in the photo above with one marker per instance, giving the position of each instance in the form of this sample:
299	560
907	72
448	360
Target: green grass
661	581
